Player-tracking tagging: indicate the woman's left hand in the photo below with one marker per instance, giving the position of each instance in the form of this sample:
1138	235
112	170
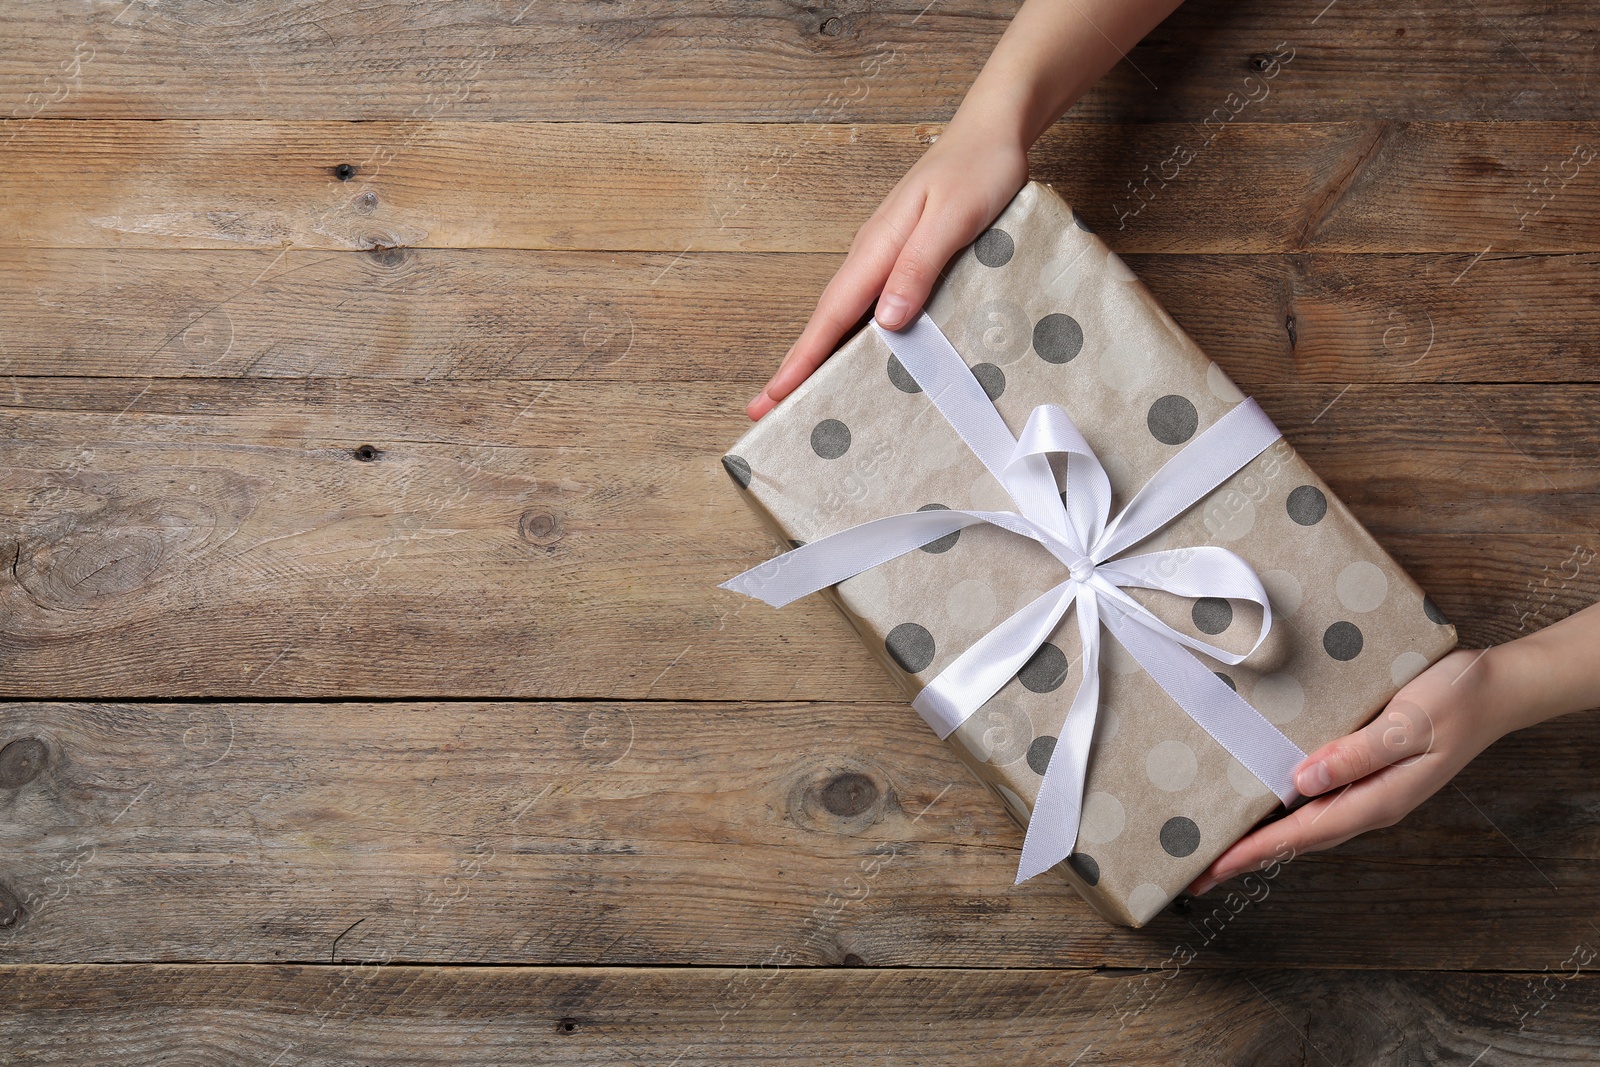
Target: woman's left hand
1376	776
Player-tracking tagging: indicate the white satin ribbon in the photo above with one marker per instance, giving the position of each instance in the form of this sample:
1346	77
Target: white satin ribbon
1078	530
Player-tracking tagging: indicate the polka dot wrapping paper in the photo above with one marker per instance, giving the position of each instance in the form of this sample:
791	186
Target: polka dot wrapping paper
1043	312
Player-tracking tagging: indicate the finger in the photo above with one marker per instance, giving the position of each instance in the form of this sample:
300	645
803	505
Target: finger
1402	730
844	301
1378	800
940	234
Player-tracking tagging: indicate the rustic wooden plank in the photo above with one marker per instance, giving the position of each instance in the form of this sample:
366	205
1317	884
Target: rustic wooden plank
610	1015
709	833
1372	186
503	314
764	60
564	539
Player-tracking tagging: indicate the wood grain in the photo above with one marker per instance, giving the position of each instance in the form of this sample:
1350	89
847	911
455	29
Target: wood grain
629	316
699	834
525	1015
764	60
1359	186
335	538
388	368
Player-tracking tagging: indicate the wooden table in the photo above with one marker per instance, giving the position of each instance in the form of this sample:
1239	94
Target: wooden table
368	696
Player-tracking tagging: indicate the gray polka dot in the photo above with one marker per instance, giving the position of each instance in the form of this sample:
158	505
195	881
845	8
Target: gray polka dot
1307	505
994	248
1039	753
1180	836
1172	419
945	543
992	378
830	439
901	378
1227	681
1057	338
1086	867
1430	609
910	646
1077	220
738	469
1045	670
1212	614
1342	641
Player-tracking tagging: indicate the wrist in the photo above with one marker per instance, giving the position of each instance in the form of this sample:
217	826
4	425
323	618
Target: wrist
984	124
1515	686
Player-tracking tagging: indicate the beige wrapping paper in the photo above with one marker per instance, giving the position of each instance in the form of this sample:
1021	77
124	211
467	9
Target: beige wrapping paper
1043	311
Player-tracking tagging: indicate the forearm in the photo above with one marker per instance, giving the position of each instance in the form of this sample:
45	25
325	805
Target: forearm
1552	672
1049	56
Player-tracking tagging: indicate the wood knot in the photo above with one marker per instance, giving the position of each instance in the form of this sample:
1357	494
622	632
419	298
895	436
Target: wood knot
387	256
150	522
21	761
831	27
367	202
841	796
848	795
852	960
541	528
344	172
366	453
10	908
1261	62
567	1024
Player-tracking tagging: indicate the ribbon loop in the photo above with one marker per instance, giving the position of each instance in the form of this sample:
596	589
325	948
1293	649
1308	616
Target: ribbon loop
1076	527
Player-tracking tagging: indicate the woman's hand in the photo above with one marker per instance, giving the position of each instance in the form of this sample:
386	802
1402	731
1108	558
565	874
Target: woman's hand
1049	55
1374	777
959	186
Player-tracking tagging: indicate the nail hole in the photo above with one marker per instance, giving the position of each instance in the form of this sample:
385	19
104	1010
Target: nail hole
366	453
568	1025
344	172
1261	61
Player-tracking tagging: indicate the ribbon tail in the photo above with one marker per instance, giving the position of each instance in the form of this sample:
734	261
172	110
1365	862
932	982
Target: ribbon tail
1260	746
784	579
1058	811
990	662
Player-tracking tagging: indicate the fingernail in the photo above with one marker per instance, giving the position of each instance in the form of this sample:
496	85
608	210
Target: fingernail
892	310
760	406
1220	877
1313	780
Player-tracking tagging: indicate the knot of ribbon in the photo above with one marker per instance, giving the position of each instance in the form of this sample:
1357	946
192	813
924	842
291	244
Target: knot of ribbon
1076	527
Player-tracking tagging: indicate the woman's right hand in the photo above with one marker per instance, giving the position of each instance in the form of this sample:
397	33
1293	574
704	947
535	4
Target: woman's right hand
950	196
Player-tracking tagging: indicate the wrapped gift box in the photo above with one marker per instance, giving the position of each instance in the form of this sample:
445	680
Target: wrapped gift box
1043	312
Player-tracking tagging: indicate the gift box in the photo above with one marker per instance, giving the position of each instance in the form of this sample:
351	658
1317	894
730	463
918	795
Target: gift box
1039	312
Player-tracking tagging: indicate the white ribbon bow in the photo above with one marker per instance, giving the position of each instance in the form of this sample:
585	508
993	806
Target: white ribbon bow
1077	529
